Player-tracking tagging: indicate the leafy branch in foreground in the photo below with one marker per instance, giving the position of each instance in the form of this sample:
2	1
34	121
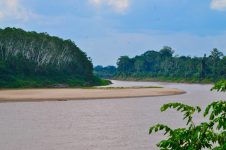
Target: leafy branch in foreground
187	110
210	134
220	86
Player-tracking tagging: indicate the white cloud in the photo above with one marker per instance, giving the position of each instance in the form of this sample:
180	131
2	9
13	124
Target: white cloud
218	5
119	5
14	10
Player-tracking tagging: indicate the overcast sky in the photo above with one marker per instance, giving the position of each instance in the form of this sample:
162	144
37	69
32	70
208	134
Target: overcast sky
107	29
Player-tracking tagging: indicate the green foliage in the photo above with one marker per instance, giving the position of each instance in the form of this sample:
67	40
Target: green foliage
218	114
211	134
162	65
187	110
30	59
220	86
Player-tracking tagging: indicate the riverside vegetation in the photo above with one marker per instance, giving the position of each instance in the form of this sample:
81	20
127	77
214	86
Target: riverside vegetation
163	65
210	134
30	59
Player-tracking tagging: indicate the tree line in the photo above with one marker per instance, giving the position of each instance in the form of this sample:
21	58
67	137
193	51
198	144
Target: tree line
105	72
38	59
163	64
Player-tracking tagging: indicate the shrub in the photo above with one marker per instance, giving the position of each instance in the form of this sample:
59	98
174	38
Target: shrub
210	134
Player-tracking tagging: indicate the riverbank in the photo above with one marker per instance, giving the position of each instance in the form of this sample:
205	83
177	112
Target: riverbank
164	79
28	95
18	82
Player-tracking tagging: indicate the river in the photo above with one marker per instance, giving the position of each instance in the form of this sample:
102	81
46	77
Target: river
107	124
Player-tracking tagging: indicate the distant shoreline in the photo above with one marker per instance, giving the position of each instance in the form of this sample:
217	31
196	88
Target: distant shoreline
161	80
32	95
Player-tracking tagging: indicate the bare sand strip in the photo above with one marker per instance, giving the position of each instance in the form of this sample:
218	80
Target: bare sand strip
82	94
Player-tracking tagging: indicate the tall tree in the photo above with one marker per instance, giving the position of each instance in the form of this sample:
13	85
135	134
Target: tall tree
166	51
125	64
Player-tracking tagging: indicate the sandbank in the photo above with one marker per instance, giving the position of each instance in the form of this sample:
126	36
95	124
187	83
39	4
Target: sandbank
29	95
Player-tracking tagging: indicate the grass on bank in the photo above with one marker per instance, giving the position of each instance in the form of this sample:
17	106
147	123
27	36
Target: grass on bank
51	82
133	87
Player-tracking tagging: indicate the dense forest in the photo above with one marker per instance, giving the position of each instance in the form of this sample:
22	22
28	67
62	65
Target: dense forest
107	72
30	59
164	65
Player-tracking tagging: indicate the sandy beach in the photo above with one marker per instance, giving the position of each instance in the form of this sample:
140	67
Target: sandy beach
82	94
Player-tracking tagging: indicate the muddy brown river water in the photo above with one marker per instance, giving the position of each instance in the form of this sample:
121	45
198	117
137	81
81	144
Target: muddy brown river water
106	124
